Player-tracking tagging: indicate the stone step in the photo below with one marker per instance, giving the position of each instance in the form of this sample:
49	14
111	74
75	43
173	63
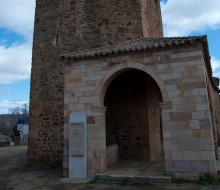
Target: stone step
218	165
132	180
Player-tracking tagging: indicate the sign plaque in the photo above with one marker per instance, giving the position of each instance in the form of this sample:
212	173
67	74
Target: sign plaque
76	145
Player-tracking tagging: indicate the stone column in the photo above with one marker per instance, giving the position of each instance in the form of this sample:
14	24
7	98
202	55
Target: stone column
188	143
166	108
96	141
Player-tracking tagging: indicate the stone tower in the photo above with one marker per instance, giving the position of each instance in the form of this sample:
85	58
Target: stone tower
62	26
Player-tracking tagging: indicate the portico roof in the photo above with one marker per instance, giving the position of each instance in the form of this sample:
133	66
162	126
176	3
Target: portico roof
143	44
135	45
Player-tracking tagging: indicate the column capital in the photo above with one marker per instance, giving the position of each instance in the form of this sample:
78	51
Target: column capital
166	105
98	110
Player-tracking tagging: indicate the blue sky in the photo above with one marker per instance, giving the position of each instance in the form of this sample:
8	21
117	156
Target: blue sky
180	18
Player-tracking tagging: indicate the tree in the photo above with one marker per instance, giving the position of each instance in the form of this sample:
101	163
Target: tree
20	111
25	110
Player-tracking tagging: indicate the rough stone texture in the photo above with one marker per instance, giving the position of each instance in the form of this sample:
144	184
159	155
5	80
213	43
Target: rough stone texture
68	25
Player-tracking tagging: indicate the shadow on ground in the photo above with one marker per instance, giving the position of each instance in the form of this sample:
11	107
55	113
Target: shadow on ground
15	175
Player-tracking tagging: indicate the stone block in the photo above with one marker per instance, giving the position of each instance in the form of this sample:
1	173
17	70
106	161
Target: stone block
171	87
207	155
203	91
197	99
97	144
176	75
166	116
173	93
202	107
167	135
194	124
181	134
168	155
201	133
172	81
112	154
200	166
183	166
171	125
180	100
170	166
192	88
100	119
208	144
165	76
185	125
178	55
191	155
170	144
177	155
186	108
96	127
180	116
98	135
190	80
200	115
95	164
205	124
191	144
84	100
189	92
213	166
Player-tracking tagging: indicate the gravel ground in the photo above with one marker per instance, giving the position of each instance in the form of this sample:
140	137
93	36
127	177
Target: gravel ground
15	175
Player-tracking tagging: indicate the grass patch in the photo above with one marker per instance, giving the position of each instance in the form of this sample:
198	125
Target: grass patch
181	181
208	180
125	181
43	165
96	179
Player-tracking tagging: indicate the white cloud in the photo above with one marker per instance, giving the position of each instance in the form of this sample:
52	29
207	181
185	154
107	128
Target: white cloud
5	105
15	61
181	18
216	67
18	16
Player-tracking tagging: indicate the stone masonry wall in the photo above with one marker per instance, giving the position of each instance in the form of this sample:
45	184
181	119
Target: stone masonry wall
46	97
63	26
187	134
214	106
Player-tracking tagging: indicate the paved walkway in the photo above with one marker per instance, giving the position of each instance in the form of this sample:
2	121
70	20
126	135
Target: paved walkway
13	176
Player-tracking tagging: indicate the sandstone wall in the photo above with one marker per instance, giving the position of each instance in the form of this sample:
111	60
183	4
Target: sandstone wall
187	133
214	106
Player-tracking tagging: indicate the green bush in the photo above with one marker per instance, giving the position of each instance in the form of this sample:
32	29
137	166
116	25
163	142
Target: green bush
208	179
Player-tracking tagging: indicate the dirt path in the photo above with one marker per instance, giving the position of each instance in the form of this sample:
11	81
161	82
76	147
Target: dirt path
14	176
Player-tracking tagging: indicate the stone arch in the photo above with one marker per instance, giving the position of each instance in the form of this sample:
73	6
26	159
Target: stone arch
105	81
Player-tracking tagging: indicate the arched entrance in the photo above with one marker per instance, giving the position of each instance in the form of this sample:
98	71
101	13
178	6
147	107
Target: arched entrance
133	116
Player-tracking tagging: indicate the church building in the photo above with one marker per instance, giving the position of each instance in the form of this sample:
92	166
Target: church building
106	86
